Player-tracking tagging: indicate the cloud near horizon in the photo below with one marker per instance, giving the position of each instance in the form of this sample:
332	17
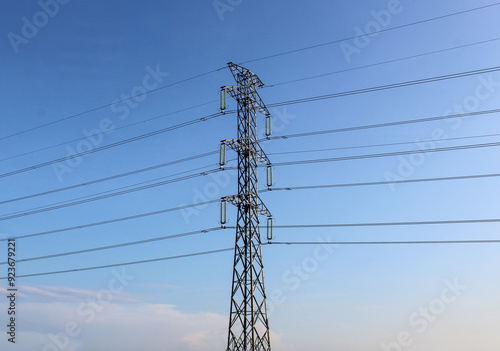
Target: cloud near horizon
48	315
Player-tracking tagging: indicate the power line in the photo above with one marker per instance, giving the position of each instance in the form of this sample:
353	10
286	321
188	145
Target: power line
268	86
248	61
291	102
375	32
138	242
275	153
108	105
118	143
115	129
388	154
324	186
79	202
203	253
263	244
146	169
384	242
216	151
388	224
379	63
291	226
107	192
374	126
379	145
279	153
292	136
131	243
382	125
253	60
278	164
388	86
110	221
127	187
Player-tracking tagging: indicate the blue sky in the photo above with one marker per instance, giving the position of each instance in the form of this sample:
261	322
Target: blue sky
83	55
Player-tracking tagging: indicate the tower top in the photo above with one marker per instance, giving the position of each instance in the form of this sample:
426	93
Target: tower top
242	74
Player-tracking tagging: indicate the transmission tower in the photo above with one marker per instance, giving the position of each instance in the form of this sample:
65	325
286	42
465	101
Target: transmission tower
248	322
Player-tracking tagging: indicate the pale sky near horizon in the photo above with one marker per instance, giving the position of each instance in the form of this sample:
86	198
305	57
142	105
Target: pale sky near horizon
63	59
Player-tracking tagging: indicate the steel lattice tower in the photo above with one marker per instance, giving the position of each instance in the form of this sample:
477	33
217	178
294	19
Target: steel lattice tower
248	322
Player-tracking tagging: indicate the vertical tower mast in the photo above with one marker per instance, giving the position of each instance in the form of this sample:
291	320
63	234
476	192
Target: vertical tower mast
248	322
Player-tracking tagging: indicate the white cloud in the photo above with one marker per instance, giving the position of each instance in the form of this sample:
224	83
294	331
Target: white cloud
129	323
34	341
122	325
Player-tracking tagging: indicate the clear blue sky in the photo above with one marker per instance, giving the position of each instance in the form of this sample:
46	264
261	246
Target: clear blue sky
62	58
